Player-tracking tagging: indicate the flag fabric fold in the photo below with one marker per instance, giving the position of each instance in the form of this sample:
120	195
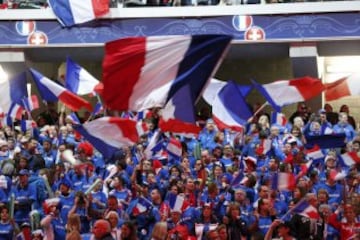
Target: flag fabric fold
347	86
148	71
52	92
284	92
305	209
12	91
73	12
178	116
109	134
141	206
349	158
229	108
31	103
176	202
78	80
283	181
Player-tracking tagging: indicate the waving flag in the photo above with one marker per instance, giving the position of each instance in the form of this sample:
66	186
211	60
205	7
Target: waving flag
278	119
12	91
178	115
78	80
141	206
52	92
27	125
283	181
72	12
347	86
336	176
305	209
16	111
109	134
305	167
176	202
349	158
230	109
73	118
148	71
315	153
174	147
31	103
285	92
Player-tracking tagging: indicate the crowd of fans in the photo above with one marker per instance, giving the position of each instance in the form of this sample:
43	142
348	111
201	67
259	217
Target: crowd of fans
38	4
47	193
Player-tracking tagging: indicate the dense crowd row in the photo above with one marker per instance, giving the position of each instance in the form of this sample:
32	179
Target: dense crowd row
38	4
55	185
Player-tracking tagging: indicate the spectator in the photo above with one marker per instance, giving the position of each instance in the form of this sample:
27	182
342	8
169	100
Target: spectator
102	230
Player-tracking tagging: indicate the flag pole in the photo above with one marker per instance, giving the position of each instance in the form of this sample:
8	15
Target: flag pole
258	110
290	210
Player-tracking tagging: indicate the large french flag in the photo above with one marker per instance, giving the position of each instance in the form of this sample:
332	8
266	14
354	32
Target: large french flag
178	116
347	86
109	134
284	92
229	109
72	12
78	80
144	72
12	91
349	159
52	92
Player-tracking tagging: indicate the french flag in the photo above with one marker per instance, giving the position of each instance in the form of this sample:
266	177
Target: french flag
349	159
176	202
178	116
315	153
278	119
148	71
31	103
337	176
78	80
305	209
174	147
229	109
12	91
109	134
52	92
284	92
73	118
73	12
283	181
347	86
306	167
141	206
16	111
27	125
264	147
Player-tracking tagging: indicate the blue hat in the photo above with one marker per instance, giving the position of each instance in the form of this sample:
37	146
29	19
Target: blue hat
66	182
24	172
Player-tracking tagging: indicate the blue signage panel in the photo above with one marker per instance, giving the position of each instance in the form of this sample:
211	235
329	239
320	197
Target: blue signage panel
250	28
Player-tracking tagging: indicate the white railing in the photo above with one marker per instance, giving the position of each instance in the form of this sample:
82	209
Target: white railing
197	11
